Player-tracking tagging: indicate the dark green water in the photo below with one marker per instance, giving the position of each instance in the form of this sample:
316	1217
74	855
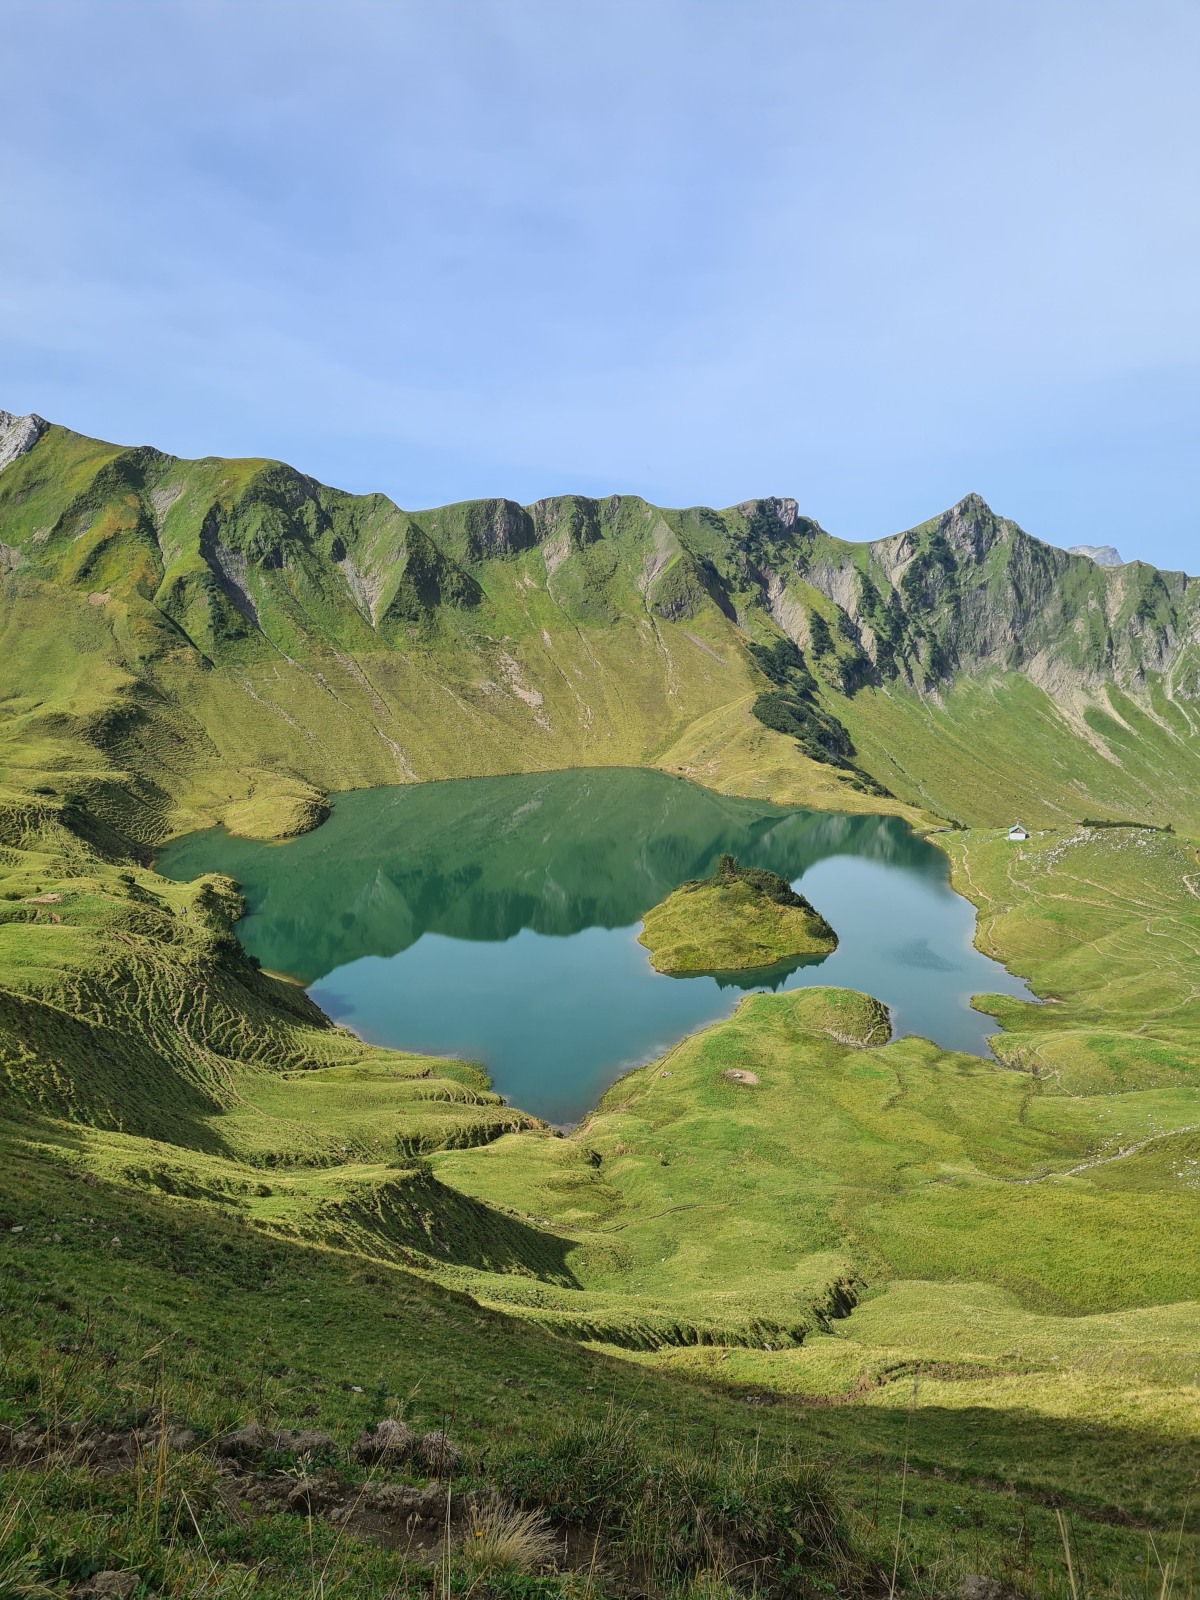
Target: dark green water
497	919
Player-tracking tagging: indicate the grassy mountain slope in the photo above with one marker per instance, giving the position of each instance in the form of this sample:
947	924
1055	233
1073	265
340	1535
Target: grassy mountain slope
253	636
253	639
1039	1179
941	1273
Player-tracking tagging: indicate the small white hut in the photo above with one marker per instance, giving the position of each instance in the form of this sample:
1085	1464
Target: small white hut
1016	833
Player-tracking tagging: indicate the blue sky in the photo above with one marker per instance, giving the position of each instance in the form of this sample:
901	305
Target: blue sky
869	253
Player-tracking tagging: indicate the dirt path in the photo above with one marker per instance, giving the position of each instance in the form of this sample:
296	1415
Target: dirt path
1103	1161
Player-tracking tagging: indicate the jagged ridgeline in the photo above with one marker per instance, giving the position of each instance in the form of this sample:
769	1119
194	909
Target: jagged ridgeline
232	639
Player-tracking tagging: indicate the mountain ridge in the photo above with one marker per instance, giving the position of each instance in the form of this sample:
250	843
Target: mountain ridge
318	640
429	548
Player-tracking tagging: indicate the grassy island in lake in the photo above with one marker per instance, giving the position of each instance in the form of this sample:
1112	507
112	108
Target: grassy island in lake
741	917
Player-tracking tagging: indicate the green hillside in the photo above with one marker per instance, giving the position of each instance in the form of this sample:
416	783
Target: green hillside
801	1305
227	640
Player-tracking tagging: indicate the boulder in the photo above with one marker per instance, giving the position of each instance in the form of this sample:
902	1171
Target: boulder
108	1586
978	1586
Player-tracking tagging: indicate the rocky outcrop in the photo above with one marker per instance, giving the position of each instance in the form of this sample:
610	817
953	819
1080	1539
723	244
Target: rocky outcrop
498	528
784	511
970	591
18	434
569	519
1104	555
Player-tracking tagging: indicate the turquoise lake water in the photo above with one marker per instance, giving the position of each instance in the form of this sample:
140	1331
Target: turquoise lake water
497	919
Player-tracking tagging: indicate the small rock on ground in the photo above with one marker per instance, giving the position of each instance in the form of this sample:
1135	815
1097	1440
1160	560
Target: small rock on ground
977	1586
108	1586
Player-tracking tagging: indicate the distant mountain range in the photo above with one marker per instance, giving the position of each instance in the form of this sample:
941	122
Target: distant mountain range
253	632
1104	555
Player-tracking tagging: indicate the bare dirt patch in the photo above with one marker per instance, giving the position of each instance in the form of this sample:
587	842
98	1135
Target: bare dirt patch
737	1075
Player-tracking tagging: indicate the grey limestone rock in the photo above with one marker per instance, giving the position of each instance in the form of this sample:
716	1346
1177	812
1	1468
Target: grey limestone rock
977	1586
111	1585
1104	555
18	434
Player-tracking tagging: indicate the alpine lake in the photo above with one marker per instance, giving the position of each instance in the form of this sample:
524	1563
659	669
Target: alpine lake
496	919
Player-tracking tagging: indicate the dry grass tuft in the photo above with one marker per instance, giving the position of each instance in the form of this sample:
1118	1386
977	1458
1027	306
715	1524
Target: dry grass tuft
502	1538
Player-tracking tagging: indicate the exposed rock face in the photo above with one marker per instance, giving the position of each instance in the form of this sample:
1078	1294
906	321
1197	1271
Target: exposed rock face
1104	555
972	591
18	434
784	511
499	528
571	519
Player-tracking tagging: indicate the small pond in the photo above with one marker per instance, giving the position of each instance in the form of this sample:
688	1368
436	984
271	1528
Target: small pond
497	919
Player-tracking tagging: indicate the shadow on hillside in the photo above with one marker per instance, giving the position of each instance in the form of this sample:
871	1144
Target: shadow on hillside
409	1220
103	1076
1121	1474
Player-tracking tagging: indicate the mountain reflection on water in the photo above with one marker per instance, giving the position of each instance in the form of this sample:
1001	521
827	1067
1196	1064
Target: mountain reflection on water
483	858
495	918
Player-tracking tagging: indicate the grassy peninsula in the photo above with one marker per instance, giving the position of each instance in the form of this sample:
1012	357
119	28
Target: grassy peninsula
740	918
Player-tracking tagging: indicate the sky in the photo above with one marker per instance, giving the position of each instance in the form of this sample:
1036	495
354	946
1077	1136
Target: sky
872	254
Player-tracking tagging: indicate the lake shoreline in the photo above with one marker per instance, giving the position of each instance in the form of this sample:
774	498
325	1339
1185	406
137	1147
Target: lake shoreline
495	920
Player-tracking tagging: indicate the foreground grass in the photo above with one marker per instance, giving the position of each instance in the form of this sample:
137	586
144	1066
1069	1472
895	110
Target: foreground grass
213	1325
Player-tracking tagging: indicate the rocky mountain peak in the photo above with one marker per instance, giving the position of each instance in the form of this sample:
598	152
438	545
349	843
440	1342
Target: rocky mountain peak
971	527
972	505
1104	555
19	434
785	511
